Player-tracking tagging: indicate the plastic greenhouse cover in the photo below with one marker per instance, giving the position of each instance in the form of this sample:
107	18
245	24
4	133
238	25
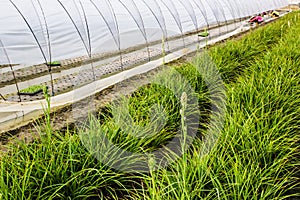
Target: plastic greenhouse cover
294	1
39	31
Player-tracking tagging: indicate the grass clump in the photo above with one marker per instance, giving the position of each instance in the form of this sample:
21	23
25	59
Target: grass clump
58	169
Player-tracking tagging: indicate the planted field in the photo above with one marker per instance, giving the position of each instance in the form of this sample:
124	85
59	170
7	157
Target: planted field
256	155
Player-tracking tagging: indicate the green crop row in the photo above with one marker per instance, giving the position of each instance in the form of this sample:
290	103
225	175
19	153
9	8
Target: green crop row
258	153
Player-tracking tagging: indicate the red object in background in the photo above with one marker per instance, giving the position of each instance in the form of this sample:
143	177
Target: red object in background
258	19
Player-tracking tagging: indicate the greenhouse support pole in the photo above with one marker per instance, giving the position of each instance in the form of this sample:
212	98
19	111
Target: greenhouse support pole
202	12
232	13
223	13
89	40
49	43
118	30
109	28
192	16
217	19
36	39
178	23
16	82
12	71
239	14
164	30
138	25
2	97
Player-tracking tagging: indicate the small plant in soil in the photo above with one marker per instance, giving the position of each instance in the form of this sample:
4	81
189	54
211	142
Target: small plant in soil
32	90
54	63
204	34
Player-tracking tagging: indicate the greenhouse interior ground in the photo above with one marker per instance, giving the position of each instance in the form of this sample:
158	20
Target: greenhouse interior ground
128	99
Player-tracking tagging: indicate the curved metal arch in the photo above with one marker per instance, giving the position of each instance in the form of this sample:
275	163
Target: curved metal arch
231	10
36	40
223	13
89	38
40	23
247	13
240	9
204	14
162	15
87	29
106	22
142	29
238	12
276	3
12	70
75	26
202	5
251	12
116	39
87	46
192	15
48	38
162	26
79	14
212	10
117	27
257	5
178	22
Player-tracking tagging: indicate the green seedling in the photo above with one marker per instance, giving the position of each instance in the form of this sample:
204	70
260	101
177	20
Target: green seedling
204	34
33	89
54	63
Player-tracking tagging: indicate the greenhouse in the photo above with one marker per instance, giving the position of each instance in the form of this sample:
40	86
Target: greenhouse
61	45
64	45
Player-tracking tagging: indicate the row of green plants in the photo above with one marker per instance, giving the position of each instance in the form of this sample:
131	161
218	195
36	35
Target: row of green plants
256	156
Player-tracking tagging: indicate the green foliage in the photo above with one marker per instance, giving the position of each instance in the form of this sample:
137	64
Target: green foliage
256	157
204	34
54	63
236	55
33	89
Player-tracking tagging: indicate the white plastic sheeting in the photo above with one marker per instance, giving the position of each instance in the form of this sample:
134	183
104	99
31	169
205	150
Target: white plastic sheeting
38	31
294	1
